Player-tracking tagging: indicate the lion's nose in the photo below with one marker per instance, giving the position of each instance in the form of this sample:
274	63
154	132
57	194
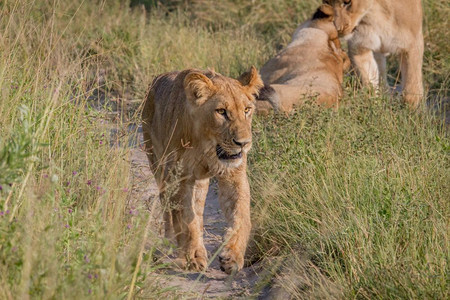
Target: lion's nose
340	26
241	142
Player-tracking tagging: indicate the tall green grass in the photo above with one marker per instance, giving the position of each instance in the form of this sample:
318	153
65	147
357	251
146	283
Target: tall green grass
69	225
362	191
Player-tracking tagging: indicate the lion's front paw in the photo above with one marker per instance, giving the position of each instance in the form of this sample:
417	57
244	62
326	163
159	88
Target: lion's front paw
196	259
230	261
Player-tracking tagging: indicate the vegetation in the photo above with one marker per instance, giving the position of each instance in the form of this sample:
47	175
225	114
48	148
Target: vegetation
358	196
362	192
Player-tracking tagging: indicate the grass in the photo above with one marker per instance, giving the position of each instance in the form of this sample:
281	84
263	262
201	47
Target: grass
358	197
362	191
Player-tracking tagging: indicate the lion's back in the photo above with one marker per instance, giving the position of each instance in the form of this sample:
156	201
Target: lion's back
305	61
163	106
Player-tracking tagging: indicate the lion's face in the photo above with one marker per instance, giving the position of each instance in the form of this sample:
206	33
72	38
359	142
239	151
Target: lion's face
348	14
222	110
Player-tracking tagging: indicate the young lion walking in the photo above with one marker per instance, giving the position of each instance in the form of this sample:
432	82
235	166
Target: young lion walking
197	124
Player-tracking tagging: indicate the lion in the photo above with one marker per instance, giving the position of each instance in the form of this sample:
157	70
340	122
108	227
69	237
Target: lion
376	28
311	65
196	125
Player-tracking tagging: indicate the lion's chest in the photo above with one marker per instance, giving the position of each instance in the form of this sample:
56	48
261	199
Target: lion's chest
200	164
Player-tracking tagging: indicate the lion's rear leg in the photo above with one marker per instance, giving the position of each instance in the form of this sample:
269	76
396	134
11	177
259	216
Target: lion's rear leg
159	171
380	58
169	232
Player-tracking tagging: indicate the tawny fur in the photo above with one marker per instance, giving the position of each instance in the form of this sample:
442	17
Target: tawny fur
186	117
376	28
311	66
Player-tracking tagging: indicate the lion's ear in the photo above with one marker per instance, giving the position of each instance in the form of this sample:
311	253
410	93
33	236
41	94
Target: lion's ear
323	12
327	9
252	81
198	87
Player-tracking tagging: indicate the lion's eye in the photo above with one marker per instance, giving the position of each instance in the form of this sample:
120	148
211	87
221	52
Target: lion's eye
347	3
221	111
247	110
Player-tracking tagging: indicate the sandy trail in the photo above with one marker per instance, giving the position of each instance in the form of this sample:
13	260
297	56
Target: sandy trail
193	285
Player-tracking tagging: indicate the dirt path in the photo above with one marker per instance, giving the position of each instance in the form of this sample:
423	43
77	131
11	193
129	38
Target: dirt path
193	285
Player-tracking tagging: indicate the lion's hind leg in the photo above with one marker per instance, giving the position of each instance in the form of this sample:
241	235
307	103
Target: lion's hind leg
169	232
380	58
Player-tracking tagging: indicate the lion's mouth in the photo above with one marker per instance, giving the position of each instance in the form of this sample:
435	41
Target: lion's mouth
347	33
222	154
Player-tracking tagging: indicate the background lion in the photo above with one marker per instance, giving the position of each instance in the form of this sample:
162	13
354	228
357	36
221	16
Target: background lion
197	124
311	65
375	28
